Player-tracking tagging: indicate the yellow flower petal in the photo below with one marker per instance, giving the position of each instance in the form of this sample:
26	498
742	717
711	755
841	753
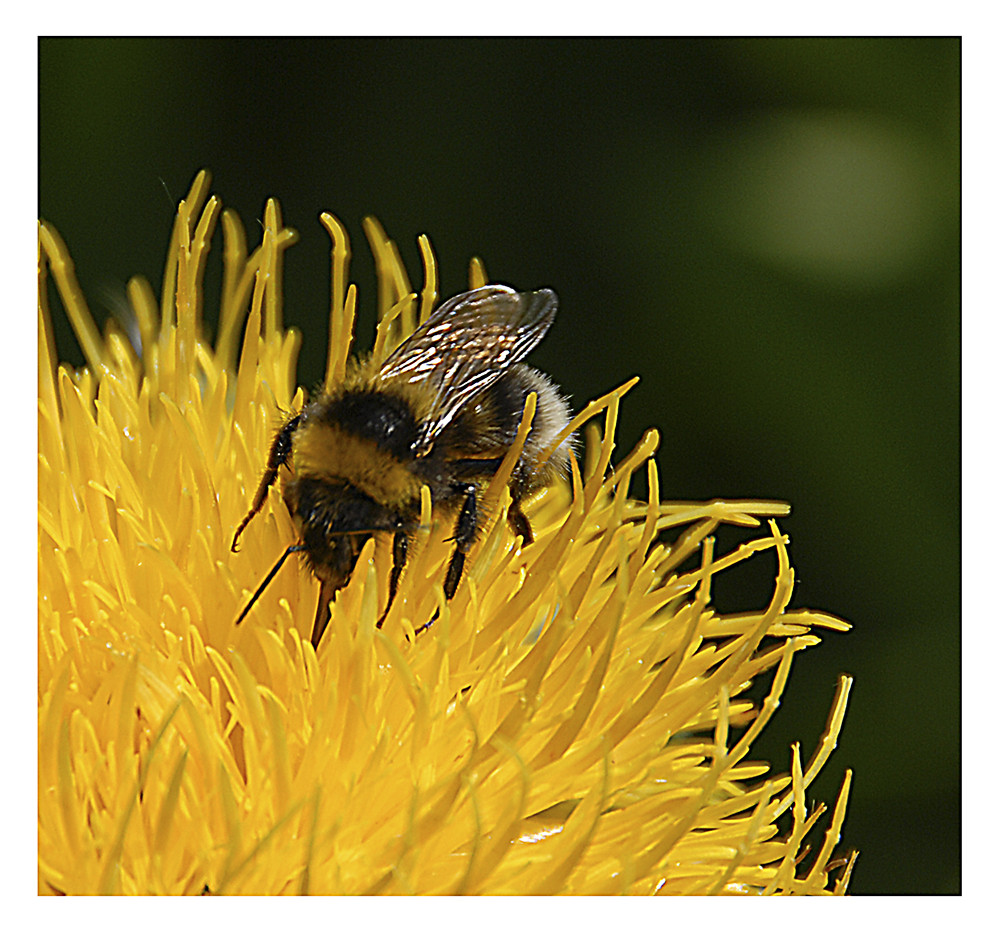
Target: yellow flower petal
574	722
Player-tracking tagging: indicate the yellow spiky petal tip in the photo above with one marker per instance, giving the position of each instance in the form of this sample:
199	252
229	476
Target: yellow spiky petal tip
574	722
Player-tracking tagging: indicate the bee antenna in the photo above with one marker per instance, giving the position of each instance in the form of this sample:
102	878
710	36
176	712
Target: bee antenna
295	548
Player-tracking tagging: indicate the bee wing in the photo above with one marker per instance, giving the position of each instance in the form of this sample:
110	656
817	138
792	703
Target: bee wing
466	345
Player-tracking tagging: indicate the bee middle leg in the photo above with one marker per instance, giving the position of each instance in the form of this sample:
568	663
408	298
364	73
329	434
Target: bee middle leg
465	534
400	542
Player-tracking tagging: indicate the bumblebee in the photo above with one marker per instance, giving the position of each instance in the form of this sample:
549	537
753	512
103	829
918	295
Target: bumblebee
442	411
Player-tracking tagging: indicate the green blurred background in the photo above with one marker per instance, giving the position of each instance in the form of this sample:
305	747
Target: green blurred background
766	230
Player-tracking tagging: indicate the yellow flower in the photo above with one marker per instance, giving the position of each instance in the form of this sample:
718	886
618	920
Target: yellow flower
574	722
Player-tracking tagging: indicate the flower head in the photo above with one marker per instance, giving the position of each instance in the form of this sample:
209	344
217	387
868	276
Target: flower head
574	722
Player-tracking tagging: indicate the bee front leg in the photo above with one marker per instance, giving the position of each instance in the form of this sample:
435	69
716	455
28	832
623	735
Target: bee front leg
281	449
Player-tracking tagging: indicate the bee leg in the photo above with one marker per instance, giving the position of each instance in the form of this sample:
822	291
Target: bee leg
465	534
519	523
280	450
322	619
399	544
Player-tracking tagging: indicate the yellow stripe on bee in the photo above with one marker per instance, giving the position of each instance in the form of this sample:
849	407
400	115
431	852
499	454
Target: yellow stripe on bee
324	451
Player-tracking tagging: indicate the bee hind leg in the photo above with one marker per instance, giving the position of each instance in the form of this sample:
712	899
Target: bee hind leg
519	522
